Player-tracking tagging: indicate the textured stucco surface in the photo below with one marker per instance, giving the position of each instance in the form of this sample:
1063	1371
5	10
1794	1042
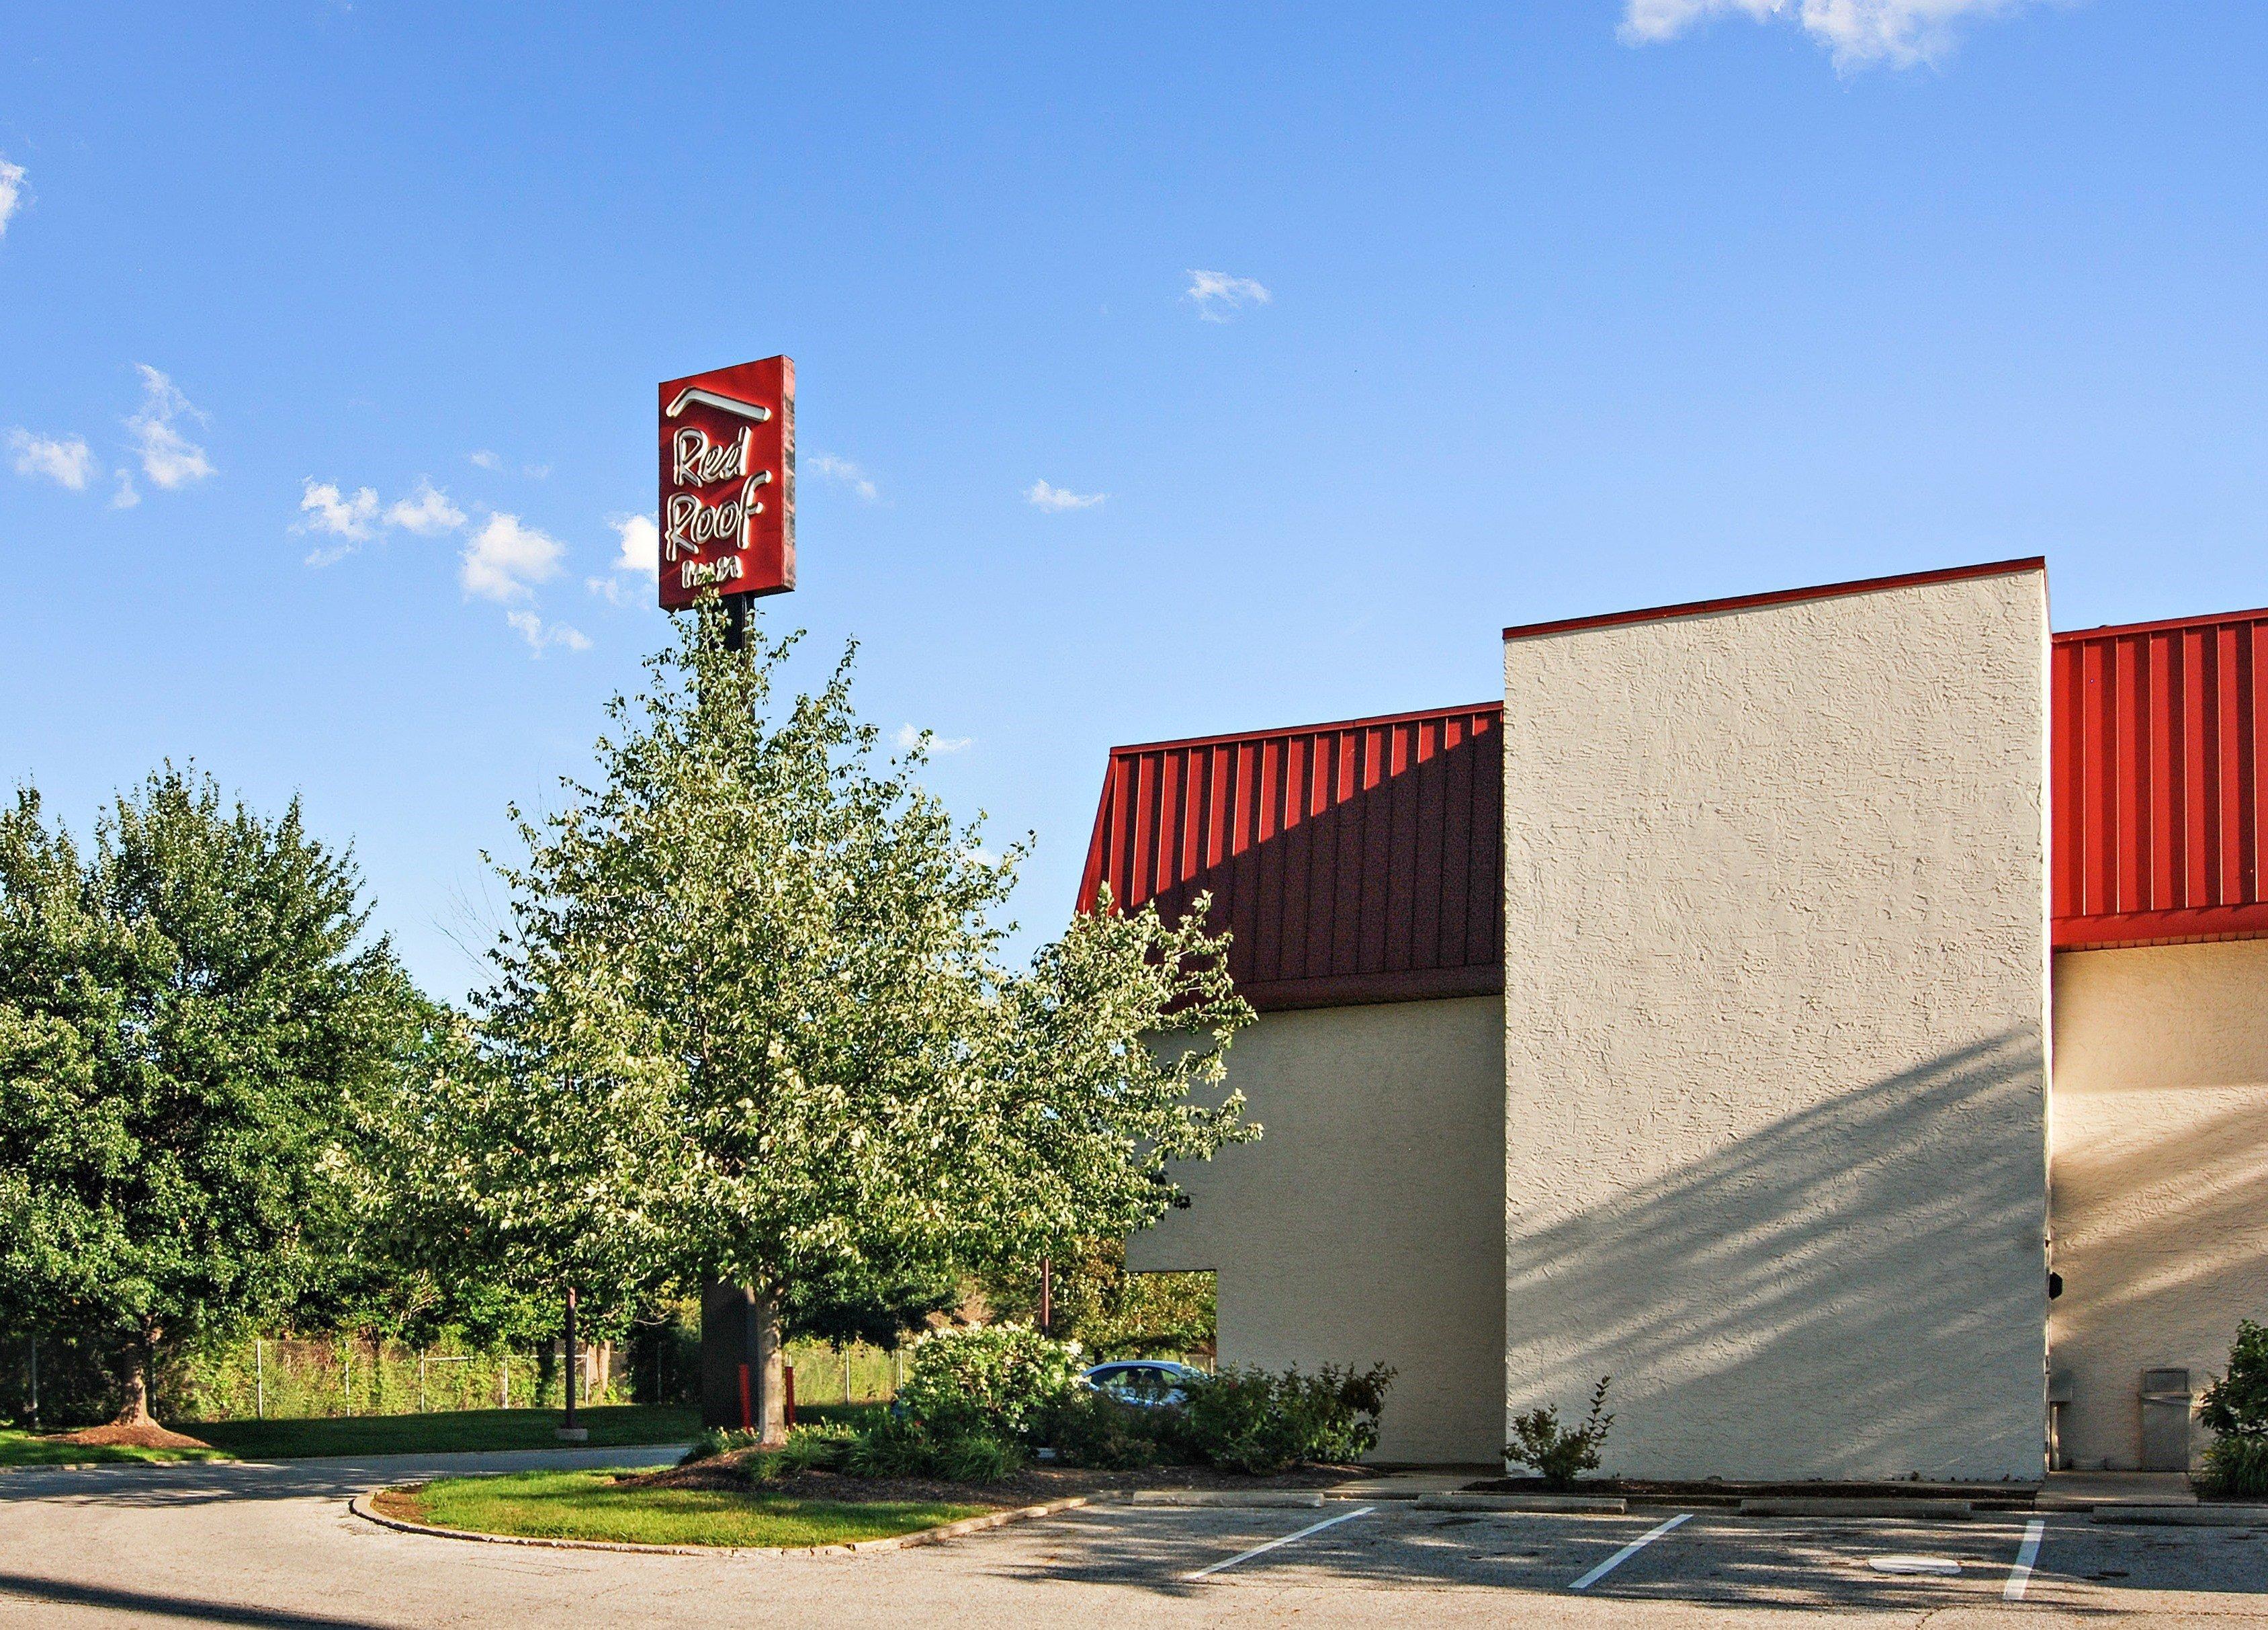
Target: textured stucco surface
2160	1175
1366	1223
1776	1009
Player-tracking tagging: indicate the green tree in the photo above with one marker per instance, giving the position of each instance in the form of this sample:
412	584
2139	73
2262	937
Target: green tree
774	955
188	1013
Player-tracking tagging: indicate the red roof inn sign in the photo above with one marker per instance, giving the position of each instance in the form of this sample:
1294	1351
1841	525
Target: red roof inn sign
728	482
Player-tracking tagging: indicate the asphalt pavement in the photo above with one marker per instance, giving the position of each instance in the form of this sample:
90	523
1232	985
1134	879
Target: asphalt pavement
272	1544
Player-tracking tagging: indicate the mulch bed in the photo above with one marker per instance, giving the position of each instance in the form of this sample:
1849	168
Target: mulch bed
1716	1491
1032	1486
139	1435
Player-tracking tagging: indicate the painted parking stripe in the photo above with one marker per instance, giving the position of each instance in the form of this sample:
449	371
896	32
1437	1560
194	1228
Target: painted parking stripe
1628	1551
1245	1556
2027	1553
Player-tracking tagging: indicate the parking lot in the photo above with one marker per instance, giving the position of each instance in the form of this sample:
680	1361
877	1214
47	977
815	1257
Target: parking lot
273	1547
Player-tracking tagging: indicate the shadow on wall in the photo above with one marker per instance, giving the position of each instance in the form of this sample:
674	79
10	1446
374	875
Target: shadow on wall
1857	1289
2163	1239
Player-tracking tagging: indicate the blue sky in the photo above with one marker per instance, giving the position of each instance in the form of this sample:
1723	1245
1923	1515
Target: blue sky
1367	331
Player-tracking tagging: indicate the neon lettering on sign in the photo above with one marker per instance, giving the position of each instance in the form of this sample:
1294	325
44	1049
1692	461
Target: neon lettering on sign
727	447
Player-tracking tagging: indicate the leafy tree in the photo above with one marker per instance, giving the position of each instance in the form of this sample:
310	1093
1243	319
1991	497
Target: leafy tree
186	1014
772	956
1112	1313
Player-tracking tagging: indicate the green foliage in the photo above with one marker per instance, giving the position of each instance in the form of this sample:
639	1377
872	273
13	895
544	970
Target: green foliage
996	1379
1108	1311
1255	1421
1091	1428
2235	1468
188	1014
750	1025
903	1446
1557	1454
2237	1405
819	1447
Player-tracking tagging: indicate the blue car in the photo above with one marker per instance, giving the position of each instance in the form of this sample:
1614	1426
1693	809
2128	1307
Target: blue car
1146	1383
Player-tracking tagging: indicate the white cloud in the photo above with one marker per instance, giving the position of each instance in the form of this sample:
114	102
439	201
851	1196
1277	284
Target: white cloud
1219	296
168	458
344	516
541	636
426	512
1857	32
640	557
506	559
11	192
128	494
486	459
909	738
844	473
641	551
66	461
1042	495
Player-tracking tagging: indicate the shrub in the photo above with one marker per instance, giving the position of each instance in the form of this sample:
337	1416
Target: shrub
1255	1421
715	1442
903	1446
1092	1428
2237	1405
819	1448
976	1458
1559	1455
2235	1468
992	1381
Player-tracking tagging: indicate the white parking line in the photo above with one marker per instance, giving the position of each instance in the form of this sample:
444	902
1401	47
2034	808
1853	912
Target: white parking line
2027	1553
1313	1527
1628	1551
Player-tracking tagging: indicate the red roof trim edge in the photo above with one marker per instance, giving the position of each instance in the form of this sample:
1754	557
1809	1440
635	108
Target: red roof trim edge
2163	625
1371	722
1779	597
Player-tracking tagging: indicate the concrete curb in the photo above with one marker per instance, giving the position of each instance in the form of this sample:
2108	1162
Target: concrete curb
361	1507
2184	1517
1793	1505
1522	1502
1264	1499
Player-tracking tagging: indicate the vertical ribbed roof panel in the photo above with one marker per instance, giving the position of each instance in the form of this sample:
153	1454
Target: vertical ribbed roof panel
2158	769
1351	862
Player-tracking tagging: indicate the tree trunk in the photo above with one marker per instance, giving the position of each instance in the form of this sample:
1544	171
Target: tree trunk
140	1358
574	1370
770	1366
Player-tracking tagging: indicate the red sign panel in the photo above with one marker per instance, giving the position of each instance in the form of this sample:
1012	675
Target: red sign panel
728	482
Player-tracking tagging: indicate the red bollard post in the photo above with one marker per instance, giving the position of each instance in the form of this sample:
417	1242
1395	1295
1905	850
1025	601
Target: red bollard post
788	1392
747	1418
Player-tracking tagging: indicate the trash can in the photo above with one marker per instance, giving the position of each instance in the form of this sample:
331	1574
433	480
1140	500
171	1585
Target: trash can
2166	1404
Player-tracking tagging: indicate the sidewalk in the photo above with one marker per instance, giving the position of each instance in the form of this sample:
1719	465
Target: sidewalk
2070	1490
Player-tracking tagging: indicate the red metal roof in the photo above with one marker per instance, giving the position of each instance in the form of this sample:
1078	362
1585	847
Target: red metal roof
1351	862
1362	861
2158	762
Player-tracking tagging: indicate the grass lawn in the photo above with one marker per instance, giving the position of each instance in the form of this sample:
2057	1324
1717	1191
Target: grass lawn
589	1505
23	1449
611	1427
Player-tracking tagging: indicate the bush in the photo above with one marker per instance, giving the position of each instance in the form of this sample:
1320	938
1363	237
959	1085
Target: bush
716	1441
1255	1421
2237	1405
994	1381
1559	1455
1091	1428
2235	1468
903	1446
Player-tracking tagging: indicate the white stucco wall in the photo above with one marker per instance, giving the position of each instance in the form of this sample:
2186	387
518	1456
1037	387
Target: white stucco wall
1365	1225
1776	1015
2160	1176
